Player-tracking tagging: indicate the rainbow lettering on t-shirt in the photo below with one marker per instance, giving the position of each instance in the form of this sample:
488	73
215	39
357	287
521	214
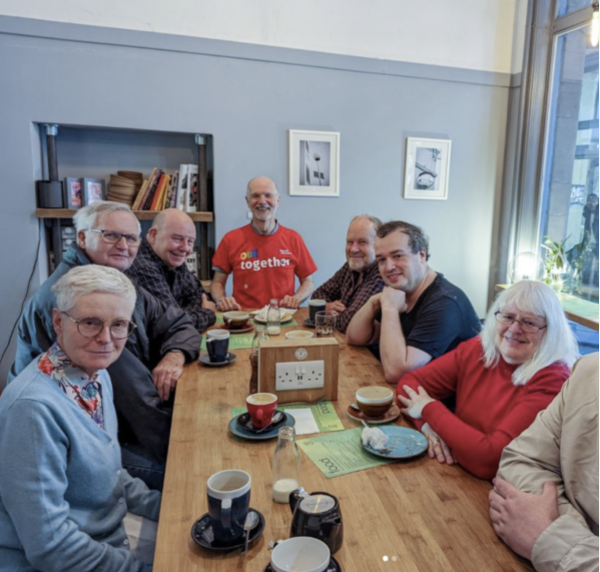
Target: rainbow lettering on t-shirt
249	254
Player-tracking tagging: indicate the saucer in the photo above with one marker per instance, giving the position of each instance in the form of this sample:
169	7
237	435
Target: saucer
284	319
247	329
309	323
244	422
202	534
392	414
271	433
402	443
332	567
205	359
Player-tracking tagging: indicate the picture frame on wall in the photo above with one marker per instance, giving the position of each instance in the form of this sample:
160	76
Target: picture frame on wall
427	168
73	192
94	190
314	163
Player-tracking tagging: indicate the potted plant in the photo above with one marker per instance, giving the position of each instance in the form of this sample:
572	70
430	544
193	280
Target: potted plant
555	262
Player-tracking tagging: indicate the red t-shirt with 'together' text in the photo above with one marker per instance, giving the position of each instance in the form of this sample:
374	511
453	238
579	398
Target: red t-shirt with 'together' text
263	266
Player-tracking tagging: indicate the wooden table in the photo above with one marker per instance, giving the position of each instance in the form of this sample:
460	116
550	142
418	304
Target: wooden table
421	515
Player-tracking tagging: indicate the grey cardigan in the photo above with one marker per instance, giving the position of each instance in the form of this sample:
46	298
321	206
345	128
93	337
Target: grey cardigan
63	492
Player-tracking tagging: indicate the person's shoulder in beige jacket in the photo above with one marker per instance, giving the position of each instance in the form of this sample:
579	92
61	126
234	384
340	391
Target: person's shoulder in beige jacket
544	504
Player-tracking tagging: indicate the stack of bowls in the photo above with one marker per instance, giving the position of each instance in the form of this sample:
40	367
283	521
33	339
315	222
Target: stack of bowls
124	186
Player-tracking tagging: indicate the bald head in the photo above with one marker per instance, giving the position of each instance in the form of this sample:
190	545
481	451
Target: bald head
172	237
261	183
263	199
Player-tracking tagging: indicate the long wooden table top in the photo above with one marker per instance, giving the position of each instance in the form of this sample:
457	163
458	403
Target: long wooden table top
421	515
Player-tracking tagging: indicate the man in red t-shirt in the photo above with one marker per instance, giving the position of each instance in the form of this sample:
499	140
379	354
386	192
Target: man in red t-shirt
263	256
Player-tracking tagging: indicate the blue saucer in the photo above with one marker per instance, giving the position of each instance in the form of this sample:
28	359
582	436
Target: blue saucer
202	534
402	443
239	431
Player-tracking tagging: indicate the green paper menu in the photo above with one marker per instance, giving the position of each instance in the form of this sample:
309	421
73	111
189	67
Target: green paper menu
339	453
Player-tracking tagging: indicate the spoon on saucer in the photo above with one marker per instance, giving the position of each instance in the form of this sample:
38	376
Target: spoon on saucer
249	524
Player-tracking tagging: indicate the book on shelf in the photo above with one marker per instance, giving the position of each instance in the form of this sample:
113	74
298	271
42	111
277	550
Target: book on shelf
182	187
162	191
171	198
191	203
192	263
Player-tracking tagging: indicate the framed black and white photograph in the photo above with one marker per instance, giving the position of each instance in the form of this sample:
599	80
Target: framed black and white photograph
93	190
73	192
314	163
427	168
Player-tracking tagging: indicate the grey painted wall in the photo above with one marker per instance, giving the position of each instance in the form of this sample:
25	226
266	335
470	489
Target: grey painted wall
248	97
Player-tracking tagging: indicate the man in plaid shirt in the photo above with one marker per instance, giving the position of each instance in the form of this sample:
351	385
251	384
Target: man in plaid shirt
160	267
355	282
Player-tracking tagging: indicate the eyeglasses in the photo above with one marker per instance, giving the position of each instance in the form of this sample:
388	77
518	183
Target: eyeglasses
113	237
92	327
527	326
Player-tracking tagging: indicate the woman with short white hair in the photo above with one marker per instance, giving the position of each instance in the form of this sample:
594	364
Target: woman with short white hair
63	492
501	379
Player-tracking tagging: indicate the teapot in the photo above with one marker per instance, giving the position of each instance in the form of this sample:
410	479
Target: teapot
318	515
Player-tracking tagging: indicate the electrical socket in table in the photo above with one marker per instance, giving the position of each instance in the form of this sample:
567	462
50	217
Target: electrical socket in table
299	375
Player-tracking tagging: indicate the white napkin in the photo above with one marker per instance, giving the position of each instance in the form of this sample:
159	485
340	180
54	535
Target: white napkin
261	314
374	438
305	421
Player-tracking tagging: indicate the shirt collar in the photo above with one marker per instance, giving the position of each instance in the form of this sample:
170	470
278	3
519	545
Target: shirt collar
275	229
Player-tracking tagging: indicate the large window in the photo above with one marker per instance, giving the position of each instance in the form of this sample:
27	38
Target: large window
569	213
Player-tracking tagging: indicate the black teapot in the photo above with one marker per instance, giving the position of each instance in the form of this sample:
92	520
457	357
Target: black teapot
318	515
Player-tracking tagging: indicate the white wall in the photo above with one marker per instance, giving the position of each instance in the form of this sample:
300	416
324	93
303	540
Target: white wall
471	34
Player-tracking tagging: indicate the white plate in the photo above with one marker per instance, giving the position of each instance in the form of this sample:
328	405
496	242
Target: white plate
284	319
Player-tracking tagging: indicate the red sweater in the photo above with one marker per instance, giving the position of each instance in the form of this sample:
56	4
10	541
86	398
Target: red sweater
490	410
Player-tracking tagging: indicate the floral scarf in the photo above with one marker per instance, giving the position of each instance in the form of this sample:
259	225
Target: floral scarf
83	390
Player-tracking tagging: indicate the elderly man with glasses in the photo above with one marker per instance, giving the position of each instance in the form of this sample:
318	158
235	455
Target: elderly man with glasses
165	338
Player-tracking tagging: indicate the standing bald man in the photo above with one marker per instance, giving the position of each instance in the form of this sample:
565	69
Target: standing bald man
264	257
160	267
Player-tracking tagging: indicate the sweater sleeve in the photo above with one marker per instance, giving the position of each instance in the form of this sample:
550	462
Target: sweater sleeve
140	499
439	378
32	487
480	452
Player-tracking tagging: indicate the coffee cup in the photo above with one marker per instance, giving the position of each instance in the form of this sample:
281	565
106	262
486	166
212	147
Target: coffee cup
261	407
228	495
301	554
298	335
236	320
315	306
375	400
217	345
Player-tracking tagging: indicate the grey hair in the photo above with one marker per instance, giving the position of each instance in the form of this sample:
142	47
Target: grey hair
373	219
558	343
89	279
88	217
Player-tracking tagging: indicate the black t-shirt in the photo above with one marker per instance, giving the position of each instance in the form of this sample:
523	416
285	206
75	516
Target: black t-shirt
442	318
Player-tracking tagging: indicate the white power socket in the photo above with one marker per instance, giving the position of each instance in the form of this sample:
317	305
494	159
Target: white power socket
299	375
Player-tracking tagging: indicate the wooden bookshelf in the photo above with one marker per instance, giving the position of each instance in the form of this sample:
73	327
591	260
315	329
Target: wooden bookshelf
141	215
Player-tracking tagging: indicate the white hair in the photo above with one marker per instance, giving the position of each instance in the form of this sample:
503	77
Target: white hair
89	279
558	343
92	215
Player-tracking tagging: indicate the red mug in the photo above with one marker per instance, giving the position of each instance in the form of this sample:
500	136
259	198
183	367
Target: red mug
261	407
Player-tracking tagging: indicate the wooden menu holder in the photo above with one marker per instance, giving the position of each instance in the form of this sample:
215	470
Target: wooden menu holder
313	349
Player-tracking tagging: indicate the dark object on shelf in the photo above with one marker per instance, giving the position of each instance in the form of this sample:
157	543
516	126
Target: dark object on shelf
50	192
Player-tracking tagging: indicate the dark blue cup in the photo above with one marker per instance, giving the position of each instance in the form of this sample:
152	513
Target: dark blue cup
228	503
217	345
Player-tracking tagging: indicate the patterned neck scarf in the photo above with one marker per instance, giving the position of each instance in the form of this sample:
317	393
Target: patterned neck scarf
85	391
